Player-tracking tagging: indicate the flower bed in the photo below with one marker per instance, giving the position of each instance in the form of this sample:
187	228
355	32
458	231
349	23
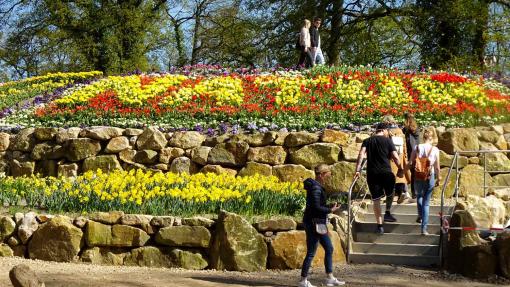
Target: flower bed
155	193
15	92
292	99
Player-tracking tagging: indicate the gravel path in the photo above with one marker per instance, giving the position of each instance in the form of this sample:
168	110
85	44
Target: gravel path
82	275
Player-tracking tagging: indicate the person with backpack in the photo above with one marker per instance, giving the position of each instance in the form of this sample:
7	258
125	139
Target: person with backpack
425	162
304	42
379	149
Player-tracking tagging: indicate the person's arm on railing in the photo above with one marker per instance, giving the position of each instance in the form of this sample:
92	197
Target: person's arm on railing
362	154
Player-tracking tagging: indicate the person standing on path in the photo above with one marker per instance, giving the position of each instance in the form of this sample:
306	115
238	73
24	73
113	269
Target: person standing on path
412	134
316	212
315	37
425	186
305	59
379	149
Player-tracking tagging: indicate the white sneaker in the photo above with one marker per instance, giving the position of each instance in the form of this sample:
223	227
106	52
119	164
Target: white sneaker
334	282
403	197
305	283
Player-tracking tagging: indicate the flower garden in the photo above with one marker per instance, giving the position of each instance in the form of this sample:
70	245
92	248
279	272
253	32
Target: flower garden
216	101
242	99
155	193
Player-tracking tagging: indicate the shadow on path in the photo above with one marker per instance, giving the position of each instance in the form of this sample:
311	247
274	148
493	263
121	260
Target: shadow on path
247	282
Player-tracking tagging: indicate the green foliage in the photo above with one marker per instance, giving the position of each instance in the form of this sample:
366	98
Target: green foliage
453	33
121	36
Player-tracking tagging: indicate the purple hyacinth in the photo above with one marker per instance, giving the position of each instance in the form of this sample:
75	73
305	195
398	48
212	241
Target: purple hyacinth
251	126
199	128
263	130
210	132
223	128
235	129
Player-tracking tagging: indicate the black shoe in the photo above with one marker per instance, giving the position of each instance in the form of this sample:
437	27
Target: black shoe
389	218
418	220
379	230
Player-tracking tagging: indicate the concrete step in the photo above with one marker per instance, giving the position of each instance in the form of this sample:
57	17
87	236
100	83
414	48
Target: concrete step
402	228
409	260
412	209
371	237
401	218
396	249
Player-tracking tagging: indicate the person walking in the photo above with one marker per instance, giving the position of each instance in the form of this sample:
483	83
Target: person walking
398	138
379	149
316	213
412	135
427	176
305	59
315	38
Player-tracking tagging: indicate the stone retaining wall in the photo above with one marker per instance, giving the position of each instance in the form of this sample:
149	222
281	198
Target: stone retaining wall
288	155
226	242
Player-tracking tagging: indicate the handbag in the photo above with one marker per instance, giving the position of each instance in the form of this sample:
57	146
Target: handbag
320	226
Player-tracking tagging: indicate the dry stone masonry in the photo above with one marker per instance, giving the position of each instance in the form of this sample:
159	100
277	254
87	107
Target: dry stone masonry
289	156
225	242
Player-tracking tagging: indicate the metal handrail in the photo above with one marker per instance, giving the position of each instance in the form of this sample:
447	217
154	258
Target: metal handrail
455	162
349	220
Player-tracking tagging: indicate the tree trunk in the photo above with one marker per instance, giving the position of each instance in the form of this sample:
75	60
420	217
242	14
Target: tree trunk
480	37
194	51
333	49
181	61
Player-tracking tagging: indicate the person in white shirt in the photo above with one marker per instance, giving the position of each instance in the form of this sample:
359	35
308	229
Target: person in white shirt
424	187
305	59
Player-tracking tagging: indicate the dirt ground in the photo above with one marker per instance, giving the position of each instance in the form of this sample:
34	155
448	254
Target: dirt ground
83	275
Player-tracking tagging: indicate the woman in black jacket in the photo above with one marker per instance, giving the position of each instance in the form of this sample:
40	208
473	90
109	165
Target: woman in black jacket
316	212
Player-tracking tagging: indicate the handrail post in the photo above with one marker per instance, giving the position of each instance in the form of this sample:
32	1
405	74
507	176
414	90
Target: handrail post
349	209
457	176
348	247
445	184
484	175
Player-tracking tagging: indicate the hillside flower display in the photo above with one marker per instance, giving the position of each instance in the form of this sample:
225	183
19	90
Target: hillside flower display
13	92
293	99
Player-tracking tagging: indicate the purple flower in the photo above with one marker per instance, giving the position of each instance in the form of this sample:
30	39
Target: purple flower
251	126
263	130
235	129
273	126
283	130
223	128
199	128
210	132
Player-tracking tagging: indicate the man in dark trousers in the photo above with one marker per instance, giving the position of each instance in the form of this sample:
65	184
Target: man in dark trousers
379	149
315	39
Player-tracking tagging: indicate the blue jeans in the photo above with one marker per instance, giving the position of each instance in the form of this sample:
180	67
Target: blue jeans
312	238
424	190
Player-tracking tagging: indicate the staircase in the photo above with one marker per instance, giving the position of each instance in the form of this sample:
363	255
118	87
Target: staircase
402	242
